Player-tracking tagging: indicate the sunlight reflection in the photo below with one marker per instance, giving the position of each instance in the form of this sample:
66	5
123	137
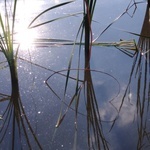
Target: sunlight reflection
25	36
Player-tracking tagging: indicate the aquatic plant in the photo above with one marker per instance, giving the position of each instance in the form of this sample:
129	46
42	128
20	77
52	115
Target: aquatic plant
15	110
140	77
14	114
96	137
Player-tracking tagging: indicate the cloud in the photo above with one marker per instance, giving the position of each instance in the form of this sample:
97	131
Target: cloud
108	110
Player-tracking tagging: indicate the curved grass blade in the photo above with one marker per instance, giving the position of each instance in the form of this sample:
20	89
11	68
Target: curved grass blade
56	6
43	23
121	15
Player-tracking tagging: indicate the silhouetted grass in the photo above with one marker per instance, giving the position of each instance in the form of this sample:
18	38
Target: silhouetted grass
140	75
15	114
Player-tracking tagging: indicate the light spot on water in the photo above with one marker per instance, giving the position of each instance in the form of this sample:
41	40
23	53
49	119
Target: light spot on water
1	118
39	112
130	95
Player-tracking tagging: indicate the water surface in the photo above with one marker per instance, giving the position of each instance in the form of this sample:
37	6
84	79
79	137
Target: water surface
111	73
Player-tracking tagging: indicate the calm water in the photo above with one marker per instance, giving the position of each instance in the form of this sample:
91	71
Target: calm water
111	73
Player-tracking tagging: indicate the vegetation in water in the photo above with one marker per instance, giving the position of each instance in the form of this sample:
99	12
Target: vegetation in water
15	116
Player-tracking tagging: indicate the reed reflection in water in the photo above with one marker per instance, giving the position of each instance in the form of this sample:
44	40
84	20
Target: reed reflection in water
139	82
15	126
15	119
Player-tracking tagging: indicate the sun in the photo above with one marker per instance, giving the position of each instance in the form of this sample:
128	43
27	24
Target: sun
25	37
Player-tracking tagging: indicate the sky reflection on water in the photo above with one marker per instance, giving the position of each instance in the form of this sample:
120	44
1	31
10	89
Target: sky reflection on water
43	107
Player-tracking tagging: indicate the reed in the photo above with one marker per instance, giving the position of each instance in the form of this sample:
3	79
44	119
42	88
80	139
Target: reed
12	116
95	134
140	76
95	138
94	126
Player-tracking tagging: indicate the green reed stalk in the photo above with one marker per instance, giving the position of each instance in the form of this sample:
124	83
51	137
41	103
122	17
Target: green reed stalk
6	45
15	104
94	126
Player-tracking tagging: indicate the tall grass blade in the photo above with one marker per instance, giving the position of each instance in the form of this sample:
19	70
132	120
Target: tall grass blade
13	113
140	76
59	18
121	15
54	7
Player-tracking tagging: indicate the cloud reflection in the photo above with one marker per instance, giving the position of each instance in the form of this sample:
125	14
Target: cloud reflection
127	114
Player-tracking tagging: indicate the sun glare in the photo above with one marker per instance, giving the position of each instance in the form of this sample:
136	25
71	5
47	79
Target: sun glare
24	36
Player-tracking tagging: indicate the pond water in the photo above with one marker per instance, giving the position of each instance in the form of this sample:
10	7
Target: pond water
121	82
